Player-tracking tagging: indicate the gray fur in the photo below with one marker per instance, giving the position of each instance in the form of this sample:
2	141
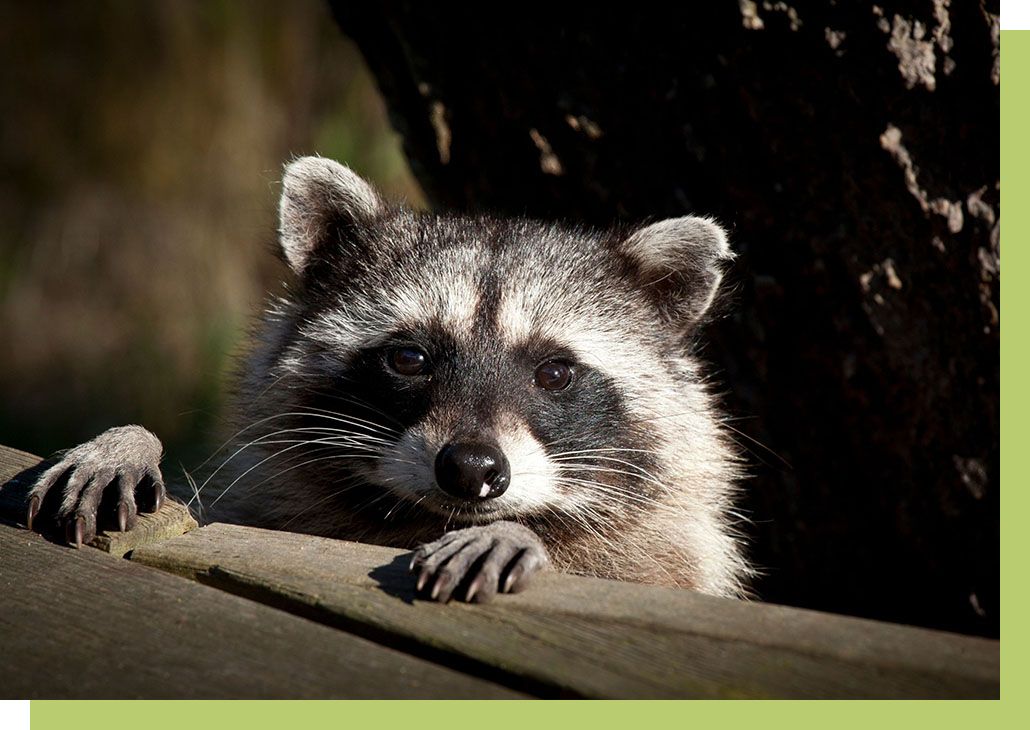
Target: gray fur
484	560
683	257
125	456
627	474
316	190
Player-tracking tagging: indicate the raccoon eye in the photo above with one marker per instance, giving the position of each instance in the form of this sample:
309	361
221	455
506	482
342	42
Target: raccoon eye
408	360
553	375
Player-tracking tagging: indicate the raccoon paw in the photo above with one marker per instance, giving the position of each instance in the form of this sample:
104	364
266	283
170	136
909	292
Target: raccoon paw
482	560
127	456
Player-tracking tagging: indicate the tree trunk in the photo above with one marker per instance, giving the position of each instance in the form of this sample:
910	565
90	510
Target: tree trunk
853	151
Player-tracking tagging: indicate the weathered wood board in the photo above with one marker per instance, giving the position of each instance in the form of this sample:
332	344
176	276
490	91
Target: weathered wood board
18	471
587	637
84	624
88	625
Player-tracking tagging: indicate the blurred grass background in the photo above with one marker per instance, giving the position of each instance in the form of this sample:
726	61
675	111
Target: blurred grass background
140	148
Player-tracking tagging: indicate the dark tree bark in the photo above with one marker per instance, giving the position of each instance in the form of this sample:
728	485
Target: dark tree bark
853	150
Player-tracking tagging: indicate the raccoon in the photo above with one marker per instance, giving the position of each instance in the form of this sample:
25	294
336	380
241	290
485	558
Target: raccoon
500	396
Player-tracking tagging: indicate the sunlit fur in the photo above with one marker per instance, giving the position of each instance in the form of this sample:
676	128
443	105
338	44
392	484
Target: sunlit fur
625	474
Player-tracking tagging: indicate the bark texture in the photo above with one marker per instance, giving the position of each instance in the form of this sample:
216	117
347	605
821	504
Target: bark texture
853	151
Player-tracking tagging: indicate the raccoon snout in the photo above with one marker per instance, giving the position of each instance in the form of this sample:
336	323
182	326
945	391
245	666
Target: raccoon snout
473	471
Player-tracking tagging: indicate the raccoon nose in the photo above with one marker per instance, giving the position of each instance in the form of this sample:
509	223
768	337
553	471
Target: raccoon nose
472	471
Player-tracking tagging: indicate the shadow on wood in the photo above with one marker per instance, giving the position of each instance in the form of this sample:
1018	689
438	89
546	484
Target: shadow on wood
575	636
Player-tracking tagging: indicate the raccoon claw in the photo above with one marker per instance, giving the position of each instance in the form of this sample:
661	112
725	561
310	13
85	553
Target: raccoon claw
34	503
119	459
74	532
499	557
518	575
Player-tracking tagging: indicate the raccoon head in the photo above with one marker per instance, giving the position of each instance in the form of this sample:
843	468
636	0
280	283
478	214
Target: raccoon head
484	369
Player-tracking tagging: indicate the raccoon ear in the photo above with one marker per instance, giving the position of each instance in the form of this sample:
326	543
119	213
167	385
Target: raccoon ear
680	262
319	195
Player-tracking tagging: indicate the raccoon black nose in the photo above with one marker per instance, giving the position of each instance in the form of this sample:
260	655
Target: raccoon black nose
472	471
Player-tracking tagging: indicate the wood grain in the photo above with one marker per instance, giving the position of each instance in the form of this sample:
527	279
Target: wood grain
587	637
83	624
19	470
566	636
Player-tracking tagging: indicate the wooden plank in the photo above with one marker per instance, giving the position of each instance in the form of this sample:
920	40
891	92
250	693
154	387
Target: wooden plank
82	624
588	637
19	470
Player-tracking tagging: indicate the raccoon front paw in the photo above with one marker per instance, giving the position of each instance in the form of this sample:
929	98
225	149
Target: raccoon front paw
128	456
484	560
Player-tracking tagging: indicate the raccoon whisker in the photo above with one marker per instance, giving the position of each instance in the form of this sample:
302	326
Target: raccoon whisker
757	443
196	496
400	501
367	406
338	455
644	476
564	461
263	439
406	505
271	385
399	460
740	518
610	448
562	522
236	435
382	497
239	433
236	453
316	503
292	460
663	416
344	425
325	431
577	436
579	518
350	446
345	436
356	428
611	489
266	459
363	403
725	422
348	418
282	472
562	440
375	500
312	412
396	460
608	489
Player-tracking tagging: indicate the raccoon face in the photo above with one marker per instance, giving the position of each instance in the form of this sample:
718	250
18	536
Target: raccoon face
482	369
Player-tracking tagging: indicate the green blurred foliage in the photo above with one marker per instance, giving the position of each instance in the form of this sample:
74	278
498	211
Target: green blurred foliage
140	148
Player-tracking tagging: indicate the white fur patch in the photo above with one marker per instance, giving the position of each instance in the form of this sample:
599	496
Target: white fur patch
365	319
515	320
408	469
591	334
532	485
453	302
